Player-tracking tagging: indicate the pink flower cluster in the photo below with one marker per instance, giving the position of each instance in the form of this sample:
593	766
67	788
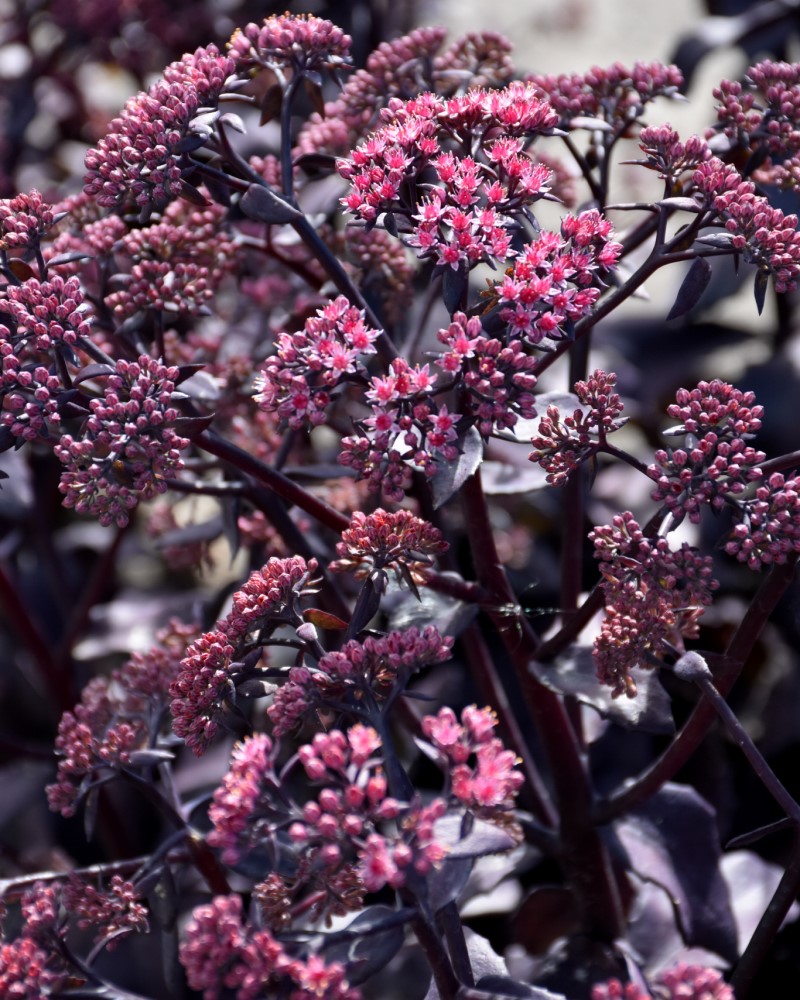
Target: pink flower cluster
681	982
176	264
554	281
616	94
762	234
114	718
23	221
716	464
561	447
225	956
652	593
352	808
297	381
142	156
477	176
492	784
30	967
373	667
382	539
128	444
234	807
205	680
302	42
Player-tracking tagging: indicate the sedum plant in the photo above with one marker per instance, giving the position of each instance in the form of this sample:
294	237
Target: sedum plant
332	304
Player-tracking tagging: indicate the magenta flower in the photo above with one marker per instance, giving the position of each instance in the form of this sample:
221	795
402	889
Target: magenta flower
301	42
23	221
234	805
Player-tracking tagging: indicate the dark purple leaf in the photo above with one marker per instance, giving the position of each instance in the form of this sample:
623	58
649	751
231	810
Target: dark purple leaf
264	205
502	986
189	143
503	478
186	371
191	427
314	163
454	287
673	841
680	203
592	124
692	288
760	289
190	193
379	936
191	534
69	258
313	89
233	121
482	837
449	615
271	103
721	241
450	476
93	371
445	883
574	674
144	758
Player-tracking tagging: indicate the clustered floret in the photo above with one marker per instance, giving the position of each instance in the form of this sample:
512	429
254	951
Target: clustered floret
716	420
23	221
382	540
297	381
301	42
652	594
142	156
206	678
562	447
129	444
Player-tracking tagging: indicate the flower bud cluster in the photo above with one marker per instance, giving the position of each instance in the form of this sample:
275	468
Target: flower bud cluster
301	42
716	464
115	912
652	594
142	157
667	154
615	94
762	234
223	954
44	315
116	717
297	381
128	444
762	116
382	539
205	680
561	447
23	221
374	667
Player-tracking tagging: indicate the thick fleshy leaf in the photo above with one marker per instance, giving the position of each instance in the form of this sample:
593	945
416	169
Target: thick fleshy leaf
574	674
482	837
264	205
450	476
692	288
673	841
93	371
502	986
378	936
449	615
446	882
503	478
271	103
760	289
324	619
454	287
